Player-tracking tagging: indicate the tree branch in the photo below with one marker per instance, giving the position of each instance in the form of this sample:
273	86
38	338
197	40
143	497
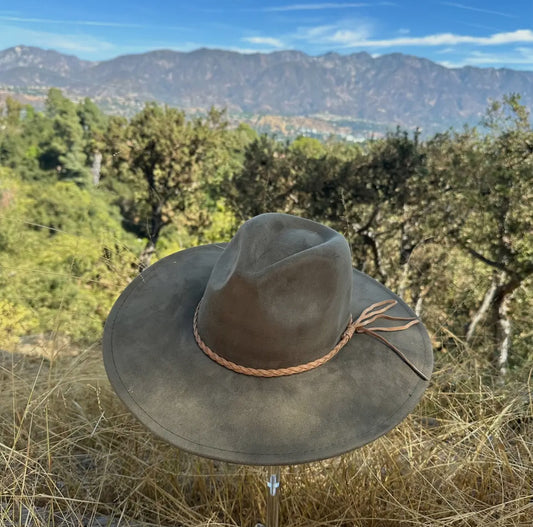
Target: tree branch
371	242
366	226
484	259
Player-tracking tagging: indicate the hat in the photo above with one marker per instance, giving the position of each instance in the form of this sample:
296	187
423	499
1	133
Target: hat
265	350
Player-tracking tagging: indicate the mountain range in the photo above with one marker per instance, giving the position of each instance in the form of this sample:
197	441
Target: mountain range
350	90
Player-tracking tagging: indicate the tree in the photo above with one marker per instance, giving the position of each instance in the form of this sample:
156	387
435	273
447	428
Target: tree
22	132
63	258
266	181
488	180
164	159
308	147
374	198
11	138
64	151
93	123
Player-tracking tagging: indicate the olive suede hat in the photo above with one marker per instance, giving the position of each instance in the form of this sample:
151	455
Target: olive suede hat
246	352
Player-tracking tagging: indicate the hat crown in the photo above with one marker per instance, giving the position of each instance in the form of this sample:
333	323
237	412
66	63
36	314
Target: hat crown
279	295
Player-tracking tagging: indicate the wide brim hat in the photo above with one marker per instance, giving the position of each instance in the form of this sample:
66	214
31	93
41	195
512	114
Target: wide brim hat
277	298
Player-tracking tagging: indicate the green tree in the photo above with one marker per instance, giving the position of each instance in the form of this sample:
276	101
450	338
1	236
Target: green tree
266	181
33	134
164	160
12	143
94	124
487	181
308	147
64	151
374	198
63	259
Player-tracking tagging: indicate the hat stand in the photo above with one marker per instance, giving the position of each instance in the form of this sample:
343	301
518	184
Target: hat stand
272	498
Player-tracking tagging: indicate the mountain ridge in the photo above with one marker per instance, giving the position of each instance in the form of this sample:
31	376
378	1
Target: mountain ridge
393	89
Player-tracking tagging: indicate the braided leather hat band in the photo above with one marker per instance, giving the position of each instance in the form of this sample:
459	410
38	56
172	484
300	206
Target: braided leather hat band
368	315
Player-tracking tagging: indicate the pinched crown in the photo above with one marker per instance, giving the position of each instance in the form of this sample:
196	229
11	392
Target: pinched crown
279	295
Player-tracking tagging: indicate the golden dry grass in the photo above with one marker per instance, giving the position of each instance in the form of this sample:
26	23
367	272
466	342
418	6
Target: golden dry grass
70	454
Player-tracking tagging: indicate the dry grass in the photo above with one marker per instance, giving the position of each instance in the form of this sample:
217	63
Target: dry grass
71	455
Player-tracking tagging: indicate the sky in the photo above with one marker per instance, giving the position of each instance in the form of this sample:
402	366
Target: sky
483	33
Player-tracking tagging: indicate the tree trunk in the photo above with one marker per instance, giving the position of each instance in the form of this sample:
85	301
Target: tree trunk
146	255
483	308
504	336
500	320
496	302
96	167
407	247
405	250
156	224
419	303
404	280
370	240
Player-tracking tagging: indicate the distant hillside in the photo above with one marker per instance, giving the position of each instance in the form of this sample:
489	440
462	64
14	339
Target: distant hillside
367	92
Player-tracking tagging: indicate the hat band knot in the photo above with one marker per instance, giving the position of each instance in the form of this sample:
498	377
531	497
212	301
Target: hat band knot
370	314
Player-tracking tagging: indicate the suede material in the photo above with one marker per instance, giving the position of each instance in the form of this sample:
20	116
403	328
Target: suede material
188	400
285	283
175	390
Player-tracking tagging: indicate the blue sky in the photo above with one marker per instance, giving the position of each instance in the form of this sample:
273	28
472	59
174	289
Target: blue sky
485	33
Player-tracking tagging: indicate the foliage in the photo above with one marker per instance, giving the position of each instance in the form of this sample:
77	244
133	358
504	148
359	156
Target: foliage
62	256
264	183
59	143
164	159
309	147
15	320
86	198
443	222
488	183
410	209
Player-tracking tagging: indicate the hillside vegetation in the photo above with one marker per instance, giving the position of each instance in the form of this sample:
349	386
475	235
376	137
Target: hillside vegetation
88	200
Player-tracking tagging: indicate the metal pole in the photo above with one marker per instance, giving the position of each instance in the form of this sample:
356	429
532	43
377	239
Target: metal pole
272	501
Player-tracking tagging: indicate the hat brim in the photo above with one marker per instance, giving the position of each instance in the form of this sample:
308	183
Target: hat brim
185	398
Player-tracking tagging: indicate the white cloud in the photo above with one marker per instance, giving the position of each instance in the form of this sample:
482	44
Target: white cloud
77	22
358	34
311	33
245	51
440	39
450	64
478	9
326	5
83	45
520	56
78	43
266	41
347	36
328	35
92	23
